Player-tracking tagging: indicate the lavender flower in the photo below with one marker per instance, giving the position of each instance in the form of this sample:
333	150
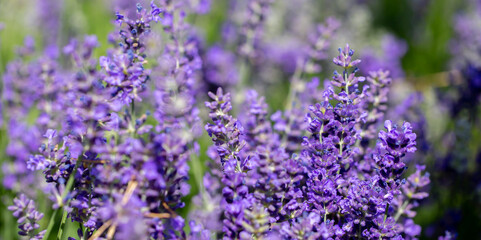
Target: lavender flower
220	67
124	69
209	211
252	28
197	232
226	133
334	186
115	140
319	44
395	144
129	8
375	103
226	130
448	236
393	49
49	19
303	94
255	223
28	84
201	6
161	177
28	217
257	125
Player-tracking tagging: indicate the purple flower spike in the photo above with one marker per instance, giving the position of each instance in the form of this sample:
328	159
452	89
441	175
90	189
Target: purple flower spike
28	217
344	58
397	143
226	130
124	68
253	26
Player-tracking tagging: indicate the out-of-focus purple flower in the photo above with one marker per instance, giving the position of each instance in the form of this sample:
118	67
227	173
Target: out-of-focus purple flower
375	103
319	43
253	26
208	201
393	50
284	53
28	84
411	229
28	217
197	232
201	6
49	13
466	44
220	67
301	94
415	183
448	236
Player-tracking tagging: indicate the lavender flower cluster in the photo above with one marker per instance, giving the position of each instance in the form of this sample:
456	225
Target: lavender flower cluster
113	139
337	186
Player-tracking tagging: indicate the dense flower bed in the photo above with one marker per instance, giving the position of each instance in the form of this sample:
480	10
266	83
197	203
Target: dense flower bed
112	141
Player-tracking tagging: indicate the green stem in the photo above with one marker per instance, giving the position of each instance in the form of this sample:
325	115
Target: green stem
83	230
62	223
345	80
244	73
51	223
132	119
325	212
400	211
340	147
296	77
199	170
341	143
321	131
385	213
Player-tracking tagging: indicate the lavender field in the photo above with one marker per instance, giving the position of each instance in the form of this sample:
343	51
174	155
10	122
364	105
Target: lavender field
240	119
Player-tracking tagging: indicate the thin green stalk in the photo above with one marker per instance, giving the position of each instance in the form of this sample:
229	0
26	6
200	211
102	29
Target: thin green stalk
244	77
132	119
245	64
347	83
321	131
83	230
325	212
400	211
385	213
51	223
198	170
296	77
62	224
340	147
